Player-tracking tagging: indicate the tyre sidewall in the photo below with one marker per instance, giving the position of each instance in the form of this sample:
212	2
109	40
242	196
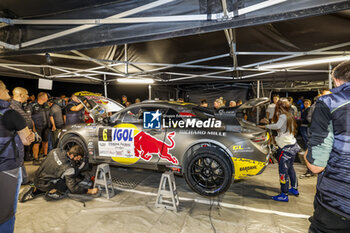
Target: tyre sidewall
219	157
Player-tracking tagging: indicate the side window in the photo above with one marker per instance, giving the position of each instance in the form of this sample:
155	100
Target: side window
172	115
132	115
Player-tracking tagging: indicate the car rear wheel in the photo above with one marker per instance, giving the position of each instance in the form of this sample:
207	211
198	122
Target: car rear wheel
69	141
208	171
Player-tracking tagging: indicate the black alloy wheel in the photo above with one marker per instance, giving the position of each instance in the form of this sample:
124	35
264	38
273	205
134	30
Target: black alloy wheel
208	171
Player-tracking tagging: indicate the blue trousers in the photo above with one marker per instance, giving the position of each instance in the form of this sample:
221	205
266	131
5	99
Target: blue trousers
286	170
9	225
304	135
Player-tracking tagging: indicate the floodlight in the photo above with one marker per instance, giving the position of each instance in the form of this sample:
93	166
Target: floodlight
135	81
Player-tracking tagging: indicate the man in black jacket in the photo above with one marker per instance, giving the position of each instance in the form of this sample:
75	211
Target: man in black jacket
60	172
13	135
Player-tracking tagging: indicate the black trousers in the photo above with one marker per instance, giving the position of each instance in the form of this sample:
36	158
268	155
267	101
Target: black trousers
327	222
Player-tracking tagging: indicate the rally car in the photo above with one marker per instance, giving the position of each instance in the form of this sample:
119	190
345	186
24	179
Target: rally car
208	148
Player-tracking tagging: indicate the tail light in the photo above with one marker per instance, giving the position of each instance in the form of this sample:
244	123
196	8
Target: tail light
188	114
261	138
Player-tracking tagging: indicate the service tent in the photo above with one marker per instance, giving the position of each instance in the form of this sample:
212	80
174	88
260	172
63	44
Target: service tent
172	41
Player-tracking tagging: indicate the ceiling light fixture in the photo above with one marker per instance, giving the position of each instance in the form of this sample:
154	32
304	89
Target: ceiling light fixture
304	62
135	81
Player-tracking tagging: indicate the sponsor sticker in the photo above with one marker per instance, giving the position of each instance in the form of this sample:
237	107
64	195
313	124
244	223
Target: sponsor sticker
151	120
116	142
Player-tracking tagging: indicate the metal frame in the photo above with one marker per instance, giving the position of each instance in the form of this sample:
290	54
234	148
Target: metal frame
120	18
108	68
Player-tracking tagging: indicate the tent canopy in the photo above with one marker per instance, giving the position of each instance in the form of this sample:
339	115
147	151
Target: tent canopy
173	42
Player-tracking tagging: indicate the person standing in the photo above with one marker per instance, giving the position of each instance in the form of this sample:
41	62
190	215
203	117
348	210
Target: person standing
74	111
13	135
328	155
20	97
293	109
271	108
304	123
40	115
124	100
285	125
56	119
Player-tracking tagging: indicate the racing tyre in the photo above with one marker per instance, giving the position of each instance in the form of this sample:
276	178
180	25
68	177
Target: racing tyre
69	140
208	171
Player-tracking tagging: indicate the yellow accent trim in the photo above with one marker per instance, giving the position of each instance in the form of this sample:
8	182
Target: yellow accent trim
246	167
83	93
127	161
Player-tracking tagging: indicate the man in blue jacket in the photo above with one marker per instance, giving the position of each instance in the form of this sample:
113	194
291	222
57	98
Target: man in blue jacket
328	155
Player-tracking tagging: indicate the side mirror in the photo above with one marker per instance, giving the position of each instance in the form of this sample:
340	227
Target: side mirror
106	120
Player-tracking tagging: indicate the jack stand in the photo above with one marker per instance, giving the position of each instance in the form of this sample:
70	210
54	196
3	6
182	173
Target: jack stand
164	193
103	179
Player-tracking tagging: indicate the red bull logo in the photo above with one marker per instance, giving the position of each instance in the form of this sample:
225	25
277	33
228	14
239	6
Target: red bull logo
146	145
282	178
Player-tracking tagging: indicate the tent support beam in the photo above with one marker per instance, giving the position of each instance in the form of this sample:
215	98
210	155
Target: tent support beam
185	63
22	70
298	55
94	61
85	27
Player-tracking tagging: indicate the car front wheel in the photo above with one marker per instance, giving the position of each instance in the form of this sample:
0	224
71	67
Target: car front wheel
208	171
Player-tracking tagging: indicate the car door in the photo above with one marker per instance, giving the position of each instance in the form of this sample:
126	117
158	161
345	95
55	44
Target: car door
128	142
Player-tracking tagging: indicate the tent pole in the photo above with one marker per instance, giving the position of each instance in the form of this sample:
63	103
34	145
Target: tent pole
105	84
330	76
126	58
258	96
149	92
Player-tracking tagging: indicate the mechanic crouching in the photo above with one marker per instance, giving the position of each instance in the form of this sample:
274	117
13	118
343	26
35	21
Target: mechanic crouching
60	173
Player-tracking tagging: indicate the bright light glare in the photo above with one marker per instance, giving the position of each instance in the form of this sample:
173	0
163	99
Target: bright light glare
135	81
304	62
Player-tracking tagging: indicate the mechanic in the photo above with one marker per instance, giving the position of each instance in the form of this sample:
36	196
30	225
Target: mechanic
61	172
74	111
20	96
285	125
13	135
56	119
328	155
40	115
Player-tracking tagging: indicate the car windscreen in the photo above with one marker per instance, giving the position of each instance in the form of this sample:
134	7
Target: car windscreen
202	113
